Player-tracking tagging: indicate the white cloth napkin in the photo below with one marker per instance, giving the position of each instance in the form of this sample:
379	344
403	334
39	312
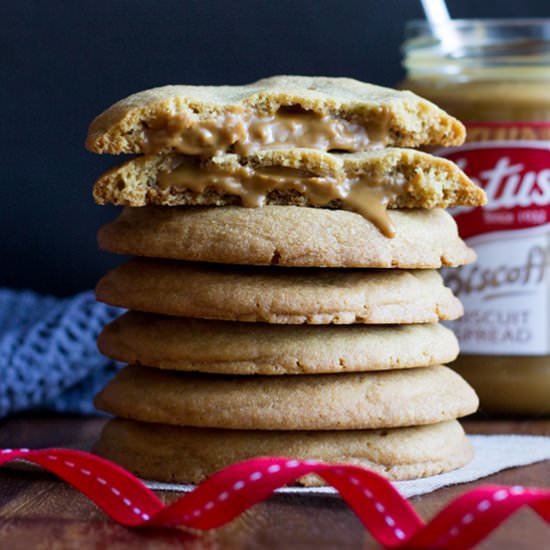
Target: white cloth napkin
493	453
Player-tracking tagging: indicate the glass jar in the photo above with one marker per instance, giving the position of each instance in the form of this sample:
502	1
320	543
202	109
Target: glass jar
494	75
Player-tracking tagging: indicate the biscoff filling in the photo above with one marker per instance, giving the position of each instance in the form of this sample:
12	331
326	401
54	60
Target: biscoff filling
359	194
245	132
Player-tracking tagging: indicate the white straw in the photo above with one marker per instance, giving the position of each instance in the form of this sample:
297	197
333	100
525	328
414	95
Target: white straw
436	12
438	17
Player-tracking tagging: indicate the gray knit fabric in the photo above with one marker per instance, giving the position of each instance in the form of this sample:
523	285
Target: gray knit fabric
48	354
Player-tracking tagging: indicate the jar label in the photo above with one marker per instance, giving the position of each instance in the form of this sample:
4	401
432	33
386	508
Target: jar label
506	293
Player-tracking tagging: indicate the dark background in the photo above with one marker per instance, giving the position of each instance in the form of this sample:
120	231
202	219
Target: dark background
64	61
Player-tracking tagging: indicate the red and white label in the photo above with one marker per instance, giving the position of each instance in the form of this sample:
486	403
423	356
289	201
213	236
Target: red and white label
506	293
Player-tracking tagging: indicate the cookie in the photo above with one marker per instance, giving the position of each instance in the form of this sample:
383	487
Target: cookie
276	295
189	455
292	111
287	236
508	389
403	178
351	401
255	348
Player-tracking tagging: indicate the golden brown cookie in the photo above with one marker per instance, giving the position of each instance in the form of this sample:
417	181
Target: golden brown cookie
287	236
351	401
293	111
405	178
255	348
189	455
276	295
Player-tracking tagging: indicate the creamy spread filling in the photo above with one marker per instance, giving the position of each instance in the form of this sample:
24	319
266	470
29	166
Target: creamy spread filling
245	132
252	185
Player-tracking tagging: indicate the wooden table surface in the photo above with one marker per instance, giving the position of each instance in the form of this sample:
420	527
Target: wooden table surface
39	511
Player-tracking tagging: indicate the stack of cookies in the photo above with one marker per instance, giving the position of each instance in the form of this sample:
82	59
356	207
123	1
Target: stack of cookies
284	299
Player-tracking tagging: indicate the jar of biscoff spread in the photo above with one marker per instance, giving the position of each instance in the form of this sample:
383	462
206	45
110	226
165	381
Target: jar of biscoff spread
494	75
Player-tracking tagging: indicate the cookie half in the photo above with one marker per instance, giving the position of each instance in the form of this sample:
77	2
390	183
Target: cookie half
402	178
189	455
293	111
288	236
275	295
221	347
354	401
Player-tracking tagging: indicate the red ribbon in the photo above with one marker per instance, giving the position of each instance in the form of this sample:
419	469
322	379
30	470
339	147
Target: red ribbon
389	517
